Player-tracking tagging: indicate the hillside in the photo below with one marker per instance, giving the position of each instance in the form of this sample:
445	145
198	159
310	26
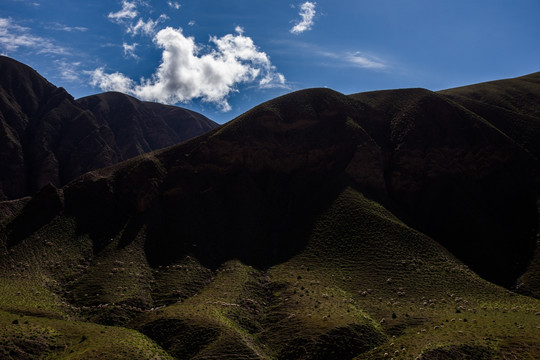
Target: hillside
140	127
314	226
512	106
48	137
455	176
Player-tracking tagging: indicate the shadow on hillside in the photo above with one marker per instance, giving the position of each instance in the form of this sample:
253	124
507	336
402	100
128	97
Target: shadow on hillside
261	219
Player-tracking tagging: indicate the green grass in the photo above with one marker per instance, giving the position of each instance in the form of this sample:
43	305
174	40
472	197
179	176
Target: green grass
411	294
41	337
365	285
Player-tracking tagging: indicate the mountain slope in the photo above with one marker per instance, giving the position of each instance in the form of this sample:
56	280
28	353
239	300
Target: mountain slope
141	127
512	106
314	226
47	136
453	175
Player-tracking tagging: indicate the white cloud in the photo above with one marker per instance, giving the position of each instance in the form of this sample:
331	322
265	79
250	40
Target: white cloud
128	11
129	50
68	71
61	27
185	73
111	82
341	58
307	12
146	27
174	4
368	62
13	36
192	23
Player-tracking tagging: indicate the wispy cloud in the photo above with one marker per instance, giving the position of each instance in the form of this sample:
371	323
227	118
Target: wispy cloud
175	5
68	71
354	59
307	12
128	11
14	36
129	50
186	73
334	58
27	2
147	27
192	23
365	61
62	27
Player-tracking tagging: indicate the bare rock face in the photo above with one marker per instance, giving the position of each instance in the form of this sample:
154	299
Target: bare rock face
48	137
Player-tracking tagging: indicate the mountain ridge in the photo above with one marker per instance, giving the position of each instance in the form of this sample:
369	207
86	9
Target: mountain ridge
47	136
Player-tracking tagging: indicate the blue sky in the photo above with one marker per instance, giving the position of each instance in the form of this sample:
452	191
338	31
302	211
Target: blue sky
223	57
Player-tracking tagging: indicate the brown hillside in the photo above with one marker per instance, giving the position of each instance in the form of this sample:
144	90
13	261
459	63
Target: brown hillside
48	137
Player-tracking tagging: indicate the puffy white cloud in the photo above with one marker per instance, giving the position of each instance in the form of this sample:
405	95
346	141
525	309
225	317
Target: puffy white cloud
175	5
110	82
128	11
186	73
146	27
129	50
307	12
13	36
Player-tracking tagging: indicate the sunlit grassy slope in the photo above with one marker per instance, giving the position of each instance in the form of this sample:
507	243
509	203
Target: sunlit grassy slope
365	285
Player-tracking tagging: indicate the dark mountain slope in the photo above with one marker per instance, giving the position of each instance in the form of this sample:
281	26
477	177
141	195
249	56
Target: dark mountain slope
296	231
253	179
510	105
42	131
438	166
185	123
140	127
47	136
453	175
519	95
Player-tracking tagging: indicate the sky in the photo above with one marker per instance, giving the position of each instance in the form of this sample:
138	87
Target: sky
221	58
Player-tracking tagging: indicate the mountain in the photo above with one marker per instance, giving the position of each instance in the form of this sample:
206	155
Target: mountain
454	175
47	136
314	226
141	127
512	106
